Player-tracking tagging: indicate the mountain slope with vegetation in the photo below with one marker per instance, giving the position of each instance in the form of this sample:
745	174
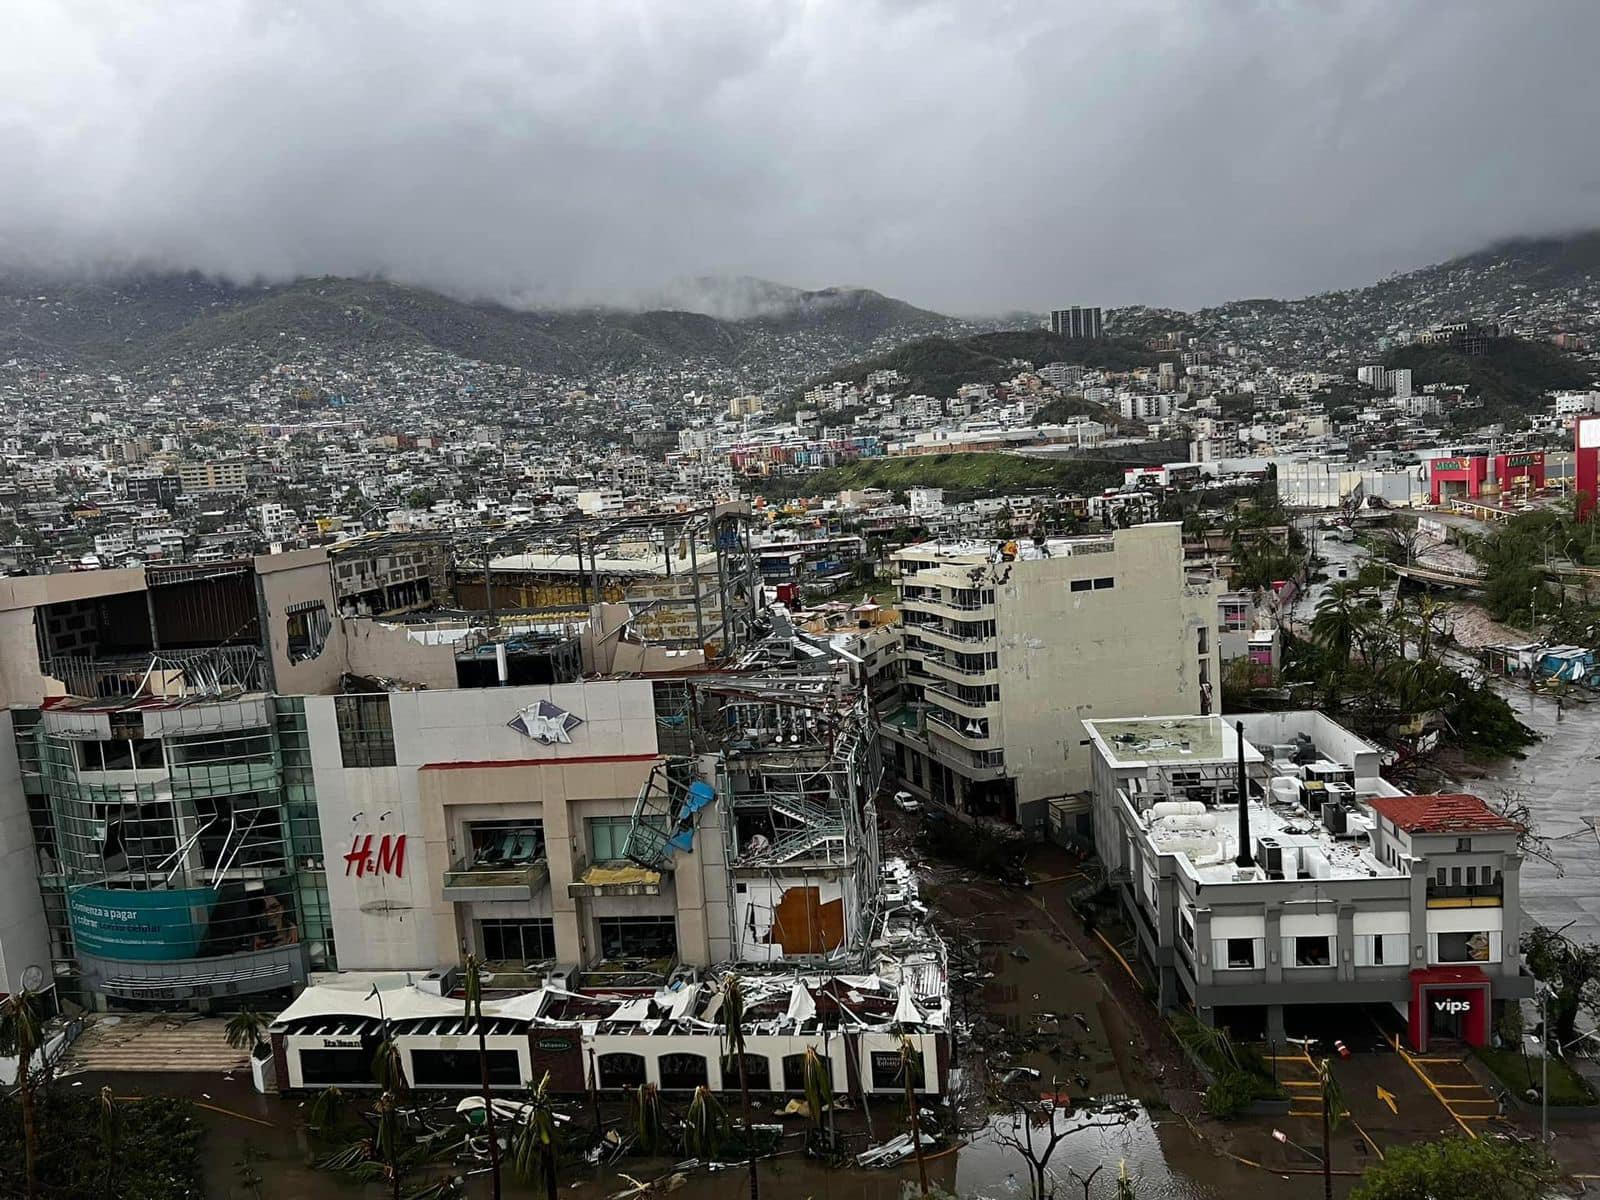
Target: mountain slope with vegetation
1511	379
936	366
160	321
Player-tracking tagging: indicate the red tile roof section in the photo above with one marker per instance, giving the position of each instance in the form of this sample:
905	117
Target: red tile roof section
1448	812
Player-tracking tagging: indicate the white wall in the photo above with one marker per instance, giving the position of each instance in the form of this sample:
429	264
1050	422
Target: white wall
24	938
403	923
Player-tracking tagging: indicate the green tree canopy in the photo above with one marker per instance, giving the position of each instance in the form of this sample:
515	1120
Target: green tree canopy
1482	1169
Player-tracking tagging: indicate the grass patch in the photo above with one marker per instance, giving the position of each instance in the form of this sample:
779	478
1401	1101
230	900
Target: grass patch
1519	1072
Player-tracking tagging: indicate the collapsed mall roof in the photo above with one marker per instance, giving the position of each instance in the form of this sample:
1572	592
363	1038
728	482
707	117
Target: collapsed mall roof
907	987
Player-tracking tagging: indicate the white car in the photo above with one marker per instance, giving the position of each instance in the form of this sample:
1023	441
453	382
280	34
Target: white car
906	802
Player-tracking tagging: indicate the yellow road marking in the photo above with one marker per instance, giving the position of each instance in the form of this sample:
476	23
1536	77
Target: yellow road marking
1437	1094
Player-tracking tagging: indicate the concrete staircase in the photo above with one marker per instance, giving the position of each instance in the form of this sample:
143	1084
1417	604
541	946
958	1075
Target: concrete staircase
154	1042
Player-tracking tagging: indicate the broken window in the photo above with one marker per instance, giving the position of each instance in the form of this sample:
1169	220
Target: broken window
1464	947
504	843
308	627
638	937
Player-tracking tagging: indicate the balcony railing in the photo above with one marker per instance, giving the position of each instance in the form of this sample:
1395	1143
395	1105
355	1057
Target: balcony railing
949	726
1466	895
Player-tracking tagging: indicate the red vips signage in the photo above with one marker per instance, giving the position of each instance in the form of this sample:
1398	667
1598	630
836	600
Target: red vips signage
388	858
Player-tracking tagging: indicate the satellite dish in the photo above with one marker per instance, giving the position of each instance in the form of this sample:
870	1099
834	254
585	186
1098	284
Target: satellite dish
33	978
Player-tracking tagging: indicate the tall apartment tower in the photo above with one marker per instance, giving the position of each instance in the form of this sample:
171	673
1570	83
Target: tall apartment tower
1080	324
1008	651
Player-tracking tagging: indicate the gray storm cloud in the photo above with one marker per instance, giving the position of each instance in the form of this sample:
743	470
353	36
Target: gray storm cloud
968	155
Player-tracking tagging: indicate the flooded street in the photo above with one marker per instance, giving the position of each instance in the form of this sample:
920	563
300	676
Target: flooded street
1558	779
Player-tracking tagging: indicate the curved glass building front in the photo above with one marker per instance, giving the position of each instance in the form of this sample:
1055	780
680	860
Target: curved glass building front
181	843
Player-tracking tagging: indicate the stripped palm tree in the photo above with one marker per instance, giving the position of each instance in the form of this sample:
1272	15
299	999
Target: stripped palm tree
474	1013
1332	1114
110	1125
705	1125
733	1032
818	1085
21	1037
535	1143
327	1110
647	1124
911	1074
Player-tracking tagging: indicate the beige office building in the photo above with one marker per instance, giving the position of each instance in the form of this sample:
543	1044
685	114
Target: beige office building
1006	655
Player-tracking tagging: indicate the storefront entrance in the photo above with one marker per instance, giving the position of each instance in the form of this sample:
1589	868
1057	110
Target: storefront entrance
1449	1004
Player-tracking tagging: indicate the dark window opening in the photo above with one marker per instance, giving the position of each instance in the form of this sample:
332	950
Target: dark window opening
1082	585
794	1071
621	1070
1463	947
353	1066
308	627
638	937
683	1072
1312	951
1104	582
757	1072
459	1068
504	843
517	939
1242	953
889	1069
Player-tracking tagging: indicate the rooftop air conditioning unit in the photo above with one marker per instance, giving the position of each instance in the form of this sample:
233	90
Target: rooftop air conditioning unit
440	981
561	976
1336	818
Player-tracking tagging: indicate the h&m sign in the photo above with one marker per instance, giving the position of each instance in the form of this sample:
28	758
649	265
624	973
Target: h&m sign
388	859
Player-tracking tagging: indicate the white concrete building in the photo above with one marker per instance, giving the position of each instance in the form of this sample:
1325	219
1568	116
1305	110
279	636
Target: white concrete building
1270	873
1006	656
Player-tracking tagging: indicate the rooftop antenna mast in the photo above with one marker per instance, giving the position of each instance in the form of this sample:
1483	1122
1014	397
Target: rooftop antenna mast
1244	859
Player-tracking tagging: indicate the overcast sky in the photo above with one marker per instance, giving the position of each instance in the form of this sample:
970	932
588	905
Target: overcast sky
966	155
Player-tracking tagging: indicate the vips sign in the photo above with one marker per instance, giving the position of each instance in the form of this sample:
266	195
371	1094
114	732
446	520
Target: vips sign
139	926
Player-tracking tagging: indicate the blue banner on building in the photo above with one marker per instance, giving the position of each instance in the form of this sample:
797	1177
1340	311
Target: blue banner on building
141	926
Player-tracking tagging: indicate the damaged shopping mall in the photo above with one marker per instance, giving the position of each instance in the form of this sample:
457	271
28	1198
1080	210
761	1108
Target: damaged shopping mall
589	755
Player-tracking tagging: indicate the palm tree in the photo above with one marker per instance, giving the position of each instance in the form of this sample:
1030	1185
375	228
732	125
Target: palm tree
474	1013
1344	617
327	1110
110	1122
534	1144
705	1126
244	1030
733	1030
818	1085
910	1073
1332	1114
647	1125
21	1036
